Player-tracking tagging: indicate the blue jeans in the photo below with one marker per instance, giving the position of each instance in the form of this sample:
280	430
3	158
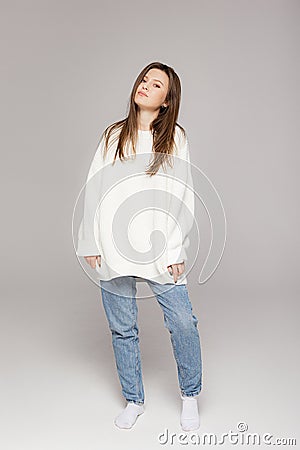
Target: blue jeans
119	301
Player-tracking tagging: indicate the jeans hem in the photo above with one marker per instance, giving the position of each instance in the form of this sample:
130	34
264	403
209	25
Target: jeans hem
194	394
135	402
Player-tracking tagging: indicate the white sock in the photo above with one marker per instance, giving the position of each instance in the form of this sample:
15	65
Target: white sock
129	415
189	418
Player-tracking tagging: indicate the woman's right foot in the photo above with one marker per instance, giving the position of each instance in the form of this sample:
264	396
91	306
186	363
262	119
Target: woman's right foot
127	418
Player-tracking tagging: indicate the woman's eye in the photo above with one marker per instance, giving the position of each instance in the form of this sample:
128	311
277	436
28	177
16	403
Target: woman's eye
144	81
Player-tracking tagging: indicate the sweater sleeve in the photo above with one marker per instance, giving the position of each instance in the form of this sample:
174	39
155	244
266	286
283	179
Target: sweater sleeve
88	243
182	207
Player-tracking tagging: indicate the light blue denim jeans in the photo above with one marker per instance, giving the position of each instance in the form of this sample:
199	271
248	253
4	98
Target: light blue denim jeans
119	301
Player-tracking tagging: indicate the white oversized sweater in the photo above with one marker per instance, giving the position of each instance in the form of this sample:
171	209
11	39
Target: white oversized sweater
137	223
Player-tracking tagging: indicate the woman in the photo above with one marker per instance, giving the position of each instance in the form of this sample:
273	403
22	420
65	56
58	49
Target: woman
118	186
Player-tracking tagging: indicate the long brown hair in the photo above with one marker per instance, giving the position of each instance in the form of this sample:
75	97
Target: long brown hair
162	127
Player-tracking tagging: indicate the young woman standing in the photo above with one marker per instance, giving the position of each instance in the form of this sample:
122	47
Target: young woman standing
150	128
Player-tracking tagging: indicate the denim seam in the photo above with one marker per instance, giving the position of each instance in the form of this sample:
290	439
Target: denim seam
137	372
176	355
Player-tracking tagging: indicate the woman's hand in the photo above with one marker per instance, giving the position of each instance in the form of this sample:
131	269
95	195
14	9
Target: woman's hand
176	270
91	260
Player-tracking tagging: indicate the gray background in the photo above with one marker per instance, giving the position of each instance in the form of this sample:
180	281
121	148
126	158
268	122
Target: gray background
67	70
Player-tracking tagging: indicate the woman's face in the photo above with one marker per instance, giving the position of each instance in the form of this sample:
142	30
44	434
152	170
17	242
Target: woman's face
154	86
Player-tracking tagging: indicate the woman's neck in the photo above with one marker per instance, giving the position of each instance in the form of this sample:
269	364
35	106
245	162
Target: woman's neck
145	118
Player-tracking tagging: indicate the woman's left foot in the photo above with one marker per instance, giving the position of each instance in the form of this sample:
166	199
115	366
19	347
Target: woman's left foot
189	419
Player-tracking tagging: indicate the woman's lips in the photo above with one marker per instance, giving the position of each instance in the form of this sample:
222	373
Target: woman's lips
141	93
